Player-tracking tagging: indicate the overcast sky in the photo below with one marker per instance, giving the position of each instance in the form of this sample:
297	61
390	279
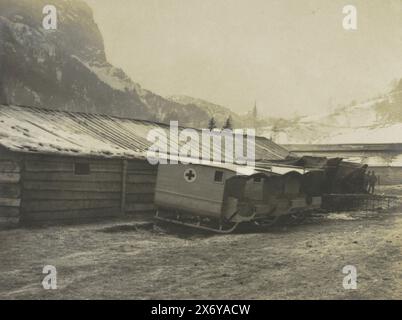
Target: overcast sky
291	56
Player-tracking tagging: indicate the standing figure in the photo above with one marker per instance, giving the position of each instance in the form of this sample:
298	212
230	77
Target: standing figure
366	182
372	182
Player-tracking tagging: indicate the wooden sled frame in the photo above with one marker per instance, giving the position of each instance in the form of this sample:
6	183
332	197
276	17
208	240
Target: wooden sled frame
221	229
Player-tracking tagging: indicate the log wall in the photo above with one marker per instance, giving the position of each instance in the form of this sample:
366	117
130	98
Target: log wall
140	186
36	187
52	190
10	188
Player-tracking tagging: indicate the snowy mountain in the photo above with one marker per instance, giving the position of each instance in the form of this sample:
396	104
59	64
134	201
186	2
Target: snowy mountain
67	69
378	120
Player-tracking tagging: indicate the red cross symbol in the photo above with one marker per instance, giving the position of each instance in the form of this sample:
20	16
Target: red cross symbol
190	175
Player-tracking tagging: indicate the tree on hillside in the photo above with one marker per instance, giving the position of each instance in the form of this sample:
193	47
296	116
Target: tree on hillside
228	123
212	124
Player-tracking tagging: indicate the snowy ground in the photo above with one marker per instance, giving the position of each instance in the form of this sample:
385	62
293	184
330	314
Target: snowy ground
107	260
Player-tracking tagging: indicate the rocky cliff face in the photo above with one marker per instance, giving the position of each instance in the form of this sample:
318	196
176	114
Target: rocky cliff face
67	69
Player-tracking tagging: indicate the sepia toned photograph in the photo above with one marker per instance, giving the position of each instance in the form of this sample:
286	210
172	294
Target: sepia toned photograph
220	150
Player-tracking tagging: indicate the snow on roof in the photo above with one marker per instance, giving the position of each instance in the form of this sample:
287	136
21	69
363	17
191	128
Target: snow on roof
37	130
347	147
375	155
378	161
390	133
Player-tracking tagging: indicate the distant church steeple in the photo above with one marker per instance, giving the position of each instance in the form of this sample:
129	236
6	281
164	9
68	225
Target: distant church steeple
255	113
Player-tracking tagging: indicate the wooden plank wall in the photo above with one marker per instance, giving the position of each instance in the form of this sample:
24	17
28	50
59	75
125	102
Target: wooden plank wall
140	187
44	187
10	190
51	189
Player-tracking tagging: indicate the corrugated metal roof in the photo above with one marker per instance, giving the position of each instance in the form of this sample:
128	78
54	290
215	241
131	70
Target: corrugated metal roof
37	130
350	147
374	155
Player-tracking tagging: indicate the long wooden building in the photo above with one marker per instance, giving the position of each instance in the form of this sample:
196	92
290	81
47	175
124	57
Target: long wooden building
384	158
65	165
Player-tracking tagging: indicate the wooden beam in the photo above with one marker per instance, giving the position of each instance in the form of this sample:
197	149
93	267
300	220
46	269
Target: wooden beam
9	202
9	177
9	190
142	172
65	176
9	166
140	198
70	214
138	207
123	186
9	155
71	159
73	186
61	205
69	195
9	212
9	221
67	165
43	166
140	188
141	178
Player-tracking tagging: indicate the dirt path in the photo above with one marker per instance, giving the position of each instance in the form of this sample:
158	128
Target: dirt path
296	262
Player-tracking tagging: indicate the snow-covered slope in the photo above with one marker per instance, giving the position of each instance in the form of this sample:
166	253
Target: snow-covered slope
376	120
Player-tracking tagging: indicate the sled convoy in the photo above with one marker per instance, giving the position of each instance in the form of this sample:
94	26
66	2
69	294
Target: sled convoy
220	197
